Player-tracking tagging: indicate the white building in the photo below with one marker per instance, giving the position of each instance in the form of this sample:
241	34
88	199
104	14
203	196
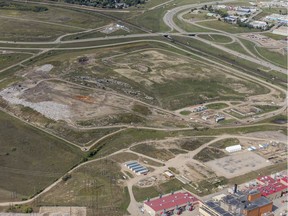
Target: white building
233	148
258	24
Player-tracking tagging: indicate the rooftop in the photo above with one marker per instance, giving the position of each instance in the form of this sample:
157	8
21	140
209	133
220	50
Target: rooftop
240	199
218	209
285	179
170	201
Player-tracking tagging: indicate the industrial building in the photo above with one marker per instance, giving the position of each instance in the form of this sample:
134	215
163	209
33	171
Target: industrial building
233	148
277	18
258	24
174	203
137	168
199	108
271	188
168	174
237	204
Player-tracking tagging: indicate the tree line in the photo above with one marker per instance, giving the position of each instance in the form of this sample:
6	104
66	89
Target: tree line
107	3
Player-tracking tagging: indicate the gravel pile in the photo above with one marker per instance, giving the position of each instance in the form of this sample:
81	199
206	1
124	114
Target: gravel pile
49	109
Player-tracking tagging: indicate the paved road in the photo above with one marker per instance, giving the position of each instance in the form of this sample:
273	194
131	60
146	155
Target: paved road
168	17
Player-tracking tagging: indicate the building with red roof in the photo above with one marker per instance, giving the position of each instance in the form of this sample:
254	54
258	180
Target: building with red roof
173	203
270	187
284	180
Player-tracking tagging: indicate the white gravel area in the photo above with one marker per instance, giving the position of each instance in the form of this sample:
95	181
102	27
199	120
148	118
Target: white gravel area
49	109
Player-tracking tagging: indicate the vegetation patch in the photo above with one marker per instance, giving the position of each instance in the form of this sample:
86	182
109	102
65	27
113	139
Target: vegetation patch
7	60
208	154
97	181
177	151
217	106
185	112
152	151
216	38
267	108
8	5
31	159
194	143
222	144
142	194
143	110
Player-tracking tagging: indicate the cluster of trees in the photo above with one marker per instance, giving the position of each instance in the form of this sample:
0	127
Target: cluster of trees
107	3
24	7
222	13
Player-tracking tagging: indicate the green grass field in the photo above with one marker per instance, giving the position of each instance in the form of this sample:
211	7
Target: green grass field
274	36
95	186
236	47
274	57
142	194
152	151
208	154
126	138
226	27
217	106
216	38
9	59
21	30
152	19
31	159
189	27
21	25
193	144
225	143
82	19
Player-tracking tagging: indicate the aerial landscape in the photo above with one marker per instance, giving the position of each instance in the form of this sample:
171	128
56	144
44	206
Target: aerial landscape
143	107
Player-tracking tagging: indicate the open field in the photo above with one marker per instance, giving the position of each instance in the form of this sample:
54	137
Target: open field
208	154
259	172
9	58
189	27
236	47
62	16
152	151
194	143
147	19
237	164
222	144
141	194
216	38
22	30
202	15
31	159
169	80
217	106
222	26
123	157
241	64
278	119
46	25
274	36
274	57
97	185
173	89
126	138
